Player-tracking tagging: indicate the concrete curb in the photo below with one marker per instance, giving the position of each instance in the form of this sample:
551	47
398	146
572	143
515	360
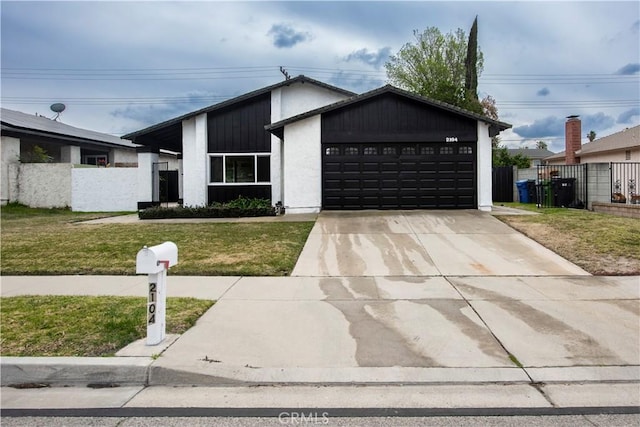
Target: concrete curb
145	371
61	371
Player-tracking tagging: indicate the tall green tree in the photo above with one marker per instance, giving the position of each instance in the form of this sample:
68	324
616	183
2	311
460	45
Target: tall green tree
591	136
434	66
541	145
471	71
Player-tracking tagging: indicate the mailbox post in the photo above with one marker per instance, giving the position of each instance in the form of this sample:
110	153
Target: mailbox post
155	261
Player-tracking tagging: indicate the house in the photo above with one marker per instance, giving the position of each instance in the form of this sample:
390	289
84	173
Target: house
536	155
63	147
623	146
313	146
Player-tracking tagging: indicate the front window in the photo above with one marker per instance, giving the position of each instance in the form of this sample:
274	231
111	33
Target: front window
239	169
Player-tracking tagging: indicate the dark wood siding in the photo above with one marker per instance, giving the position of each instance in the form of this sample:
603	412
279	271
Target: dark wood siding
392	152
224	194
240	129
392	118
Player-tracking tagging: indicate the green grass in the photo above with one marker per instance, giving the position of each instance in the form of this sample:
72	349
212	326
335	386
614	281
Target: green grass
53	241
601	244
82	325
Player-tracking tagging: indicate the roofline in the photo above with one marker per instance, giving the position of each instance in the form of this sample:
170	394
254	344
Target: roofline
273	127
7	127
301	78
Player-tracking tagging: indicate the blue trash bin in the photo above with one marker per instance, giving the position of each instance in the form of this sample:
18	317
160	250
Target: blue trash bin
523	191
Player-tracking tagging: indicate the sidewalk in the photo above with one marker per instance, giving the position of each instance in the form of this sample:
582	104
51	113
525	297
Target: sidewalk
587	336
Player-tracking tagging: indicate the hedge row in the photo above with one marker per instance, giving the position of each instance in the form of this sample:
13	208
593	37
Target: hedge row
240	207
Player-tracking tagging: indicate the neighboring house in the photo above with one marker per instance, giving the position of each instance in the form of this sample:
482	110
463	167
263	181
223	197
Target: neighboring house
623	146
65	143
536	155
65	146
313	146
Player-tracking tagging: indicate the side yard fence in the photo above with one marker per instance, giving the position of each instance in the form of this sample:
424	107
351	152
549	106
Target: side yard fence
574	186
83	189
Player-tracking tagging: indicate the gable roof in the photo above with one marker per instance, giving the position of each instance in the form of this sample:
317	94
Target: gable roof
169	131
17	122
495	125
623	140
531	153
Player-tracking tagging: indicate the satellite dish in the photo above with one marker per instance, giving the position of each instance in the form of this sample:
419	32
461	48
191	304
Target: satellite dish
58	107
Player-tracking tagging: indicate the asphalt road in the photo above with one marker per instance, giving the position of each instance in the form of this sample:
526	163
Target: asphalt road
317	419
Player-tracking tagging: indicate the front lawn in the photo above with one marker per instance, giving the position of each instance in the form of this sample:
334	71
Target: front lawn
83	325
53	241
601	244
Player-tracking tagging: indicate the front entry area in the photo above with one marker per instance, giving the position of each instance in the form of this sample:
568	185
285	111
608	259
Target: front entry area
399	176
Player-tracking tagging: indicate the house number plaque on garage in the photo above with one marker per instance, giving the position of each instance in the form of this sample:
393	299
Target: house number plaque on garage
451	139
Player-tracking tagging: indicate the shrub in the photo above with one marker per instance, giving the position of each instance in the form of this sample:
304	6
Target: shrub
240	207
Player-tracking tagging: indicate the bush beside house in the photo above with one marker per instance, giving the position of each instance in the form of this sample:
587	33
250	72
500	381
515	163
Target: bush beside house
240	207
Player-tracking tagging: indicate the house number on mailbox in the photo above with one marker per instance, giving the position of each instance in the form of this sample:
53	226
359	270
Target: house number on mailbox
151	309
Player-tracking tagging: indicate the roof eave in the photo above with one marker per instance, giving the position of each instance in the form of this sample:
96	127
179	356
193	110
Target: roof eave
301	78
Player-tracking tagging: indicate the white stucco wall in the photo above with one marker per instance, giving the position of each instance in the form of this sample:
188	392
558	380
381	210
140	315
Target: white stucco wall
9	154
485	182
104	189
147	191
70	154
612	156
289	101
118	157
303	97
43	185
303	166
194	154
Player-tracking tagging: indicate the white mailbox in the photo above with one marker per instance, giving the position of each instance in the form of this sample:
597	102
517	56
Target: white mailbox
156	258
155	261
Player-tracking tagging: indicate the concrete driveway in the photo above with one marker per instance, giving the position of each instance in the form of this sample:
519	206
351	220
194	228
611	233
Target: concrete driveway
423	243
416	297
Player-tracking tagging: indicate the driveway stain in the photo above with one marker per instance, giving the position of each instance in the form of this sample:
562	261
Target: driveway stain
349	288
377	345
582	348
452	310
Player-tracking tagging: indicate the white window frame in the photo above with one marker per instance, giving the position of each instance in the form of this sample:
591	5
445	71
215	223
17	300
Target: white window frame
224	169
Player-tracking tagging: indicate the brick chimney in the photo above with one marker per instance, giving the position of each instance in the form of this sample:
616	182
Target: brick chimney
572	139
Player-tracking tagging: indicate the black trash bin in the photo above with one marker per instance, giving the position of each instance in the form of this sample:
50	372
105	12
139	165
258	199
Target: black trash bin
533	192
564	191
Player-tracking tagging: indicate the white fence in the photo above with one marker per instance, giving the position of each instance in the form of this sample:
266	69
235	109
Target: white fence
83	189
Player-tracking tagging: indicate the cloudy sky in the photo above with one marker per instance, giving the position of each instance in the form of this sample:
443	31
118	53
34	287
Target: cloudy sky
122	66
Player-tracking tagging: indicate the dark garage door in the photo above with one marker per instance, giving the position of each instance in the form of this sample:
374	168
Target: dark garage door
399	176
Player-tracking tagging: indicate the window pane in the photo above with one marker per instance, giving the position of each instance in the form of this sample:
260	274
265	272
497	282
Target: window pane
370	151
446	150
466	150
240	169
410	150
389	151
332	151
426	150
264	169
215	169
351	151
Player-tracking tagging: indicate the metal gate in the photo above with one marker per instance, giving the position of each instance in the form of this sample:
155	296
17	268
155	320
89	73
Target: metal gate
562	186
160	183
624	182
502	184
